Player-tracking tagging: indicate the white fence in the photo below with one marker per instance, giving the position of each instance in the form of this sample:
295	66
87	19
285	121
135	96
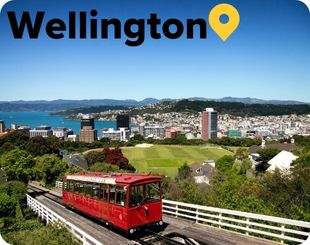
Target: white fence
51	217
251	224
268	227
58	184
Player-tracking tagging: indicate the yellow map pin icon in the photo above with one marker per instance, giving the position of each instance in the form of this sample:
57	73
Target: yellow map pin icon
224	30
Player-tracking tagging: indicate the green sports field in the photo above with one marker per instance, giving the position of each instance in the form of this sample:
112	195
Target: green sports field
167	159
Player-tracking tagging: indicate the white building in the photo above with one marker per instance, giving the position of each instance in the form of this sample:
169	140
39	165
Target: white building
121	135
282	161
43	131
72	138
152	131
61	132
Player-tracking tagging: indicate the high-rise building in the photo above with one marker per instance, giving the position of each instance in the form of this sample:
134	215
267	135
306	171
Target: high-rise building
209	124
2	126
87	123
122	121
88	133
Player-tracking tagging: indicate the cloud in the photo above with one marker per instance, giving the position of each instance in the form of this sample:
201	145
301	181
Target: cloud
2	3
306	2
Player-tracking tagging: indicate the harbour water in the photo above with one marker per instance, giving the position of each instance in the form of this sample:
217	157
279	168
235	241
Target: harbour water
35	119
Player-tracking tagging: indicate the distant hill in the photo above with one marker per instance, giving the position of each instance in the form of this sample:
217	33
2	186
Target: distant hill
241	109
249	100
260	101
62	105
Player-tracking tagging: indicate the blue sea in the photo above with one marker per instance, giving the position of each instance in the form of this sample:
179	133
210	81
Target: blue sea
35	119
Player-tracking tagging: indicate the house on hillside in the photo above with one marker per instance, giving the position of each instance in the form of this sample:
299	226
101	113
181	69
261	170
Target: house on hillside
282	147
203	172
282	161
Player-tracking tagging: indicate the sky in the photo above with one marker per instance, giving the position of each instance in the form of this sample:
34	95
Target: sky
267	57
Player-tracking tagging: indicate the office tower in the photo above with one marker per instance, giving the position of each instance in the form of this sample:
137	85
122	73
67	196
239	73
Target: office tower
209	124
122	121
87	123
88	133
2	126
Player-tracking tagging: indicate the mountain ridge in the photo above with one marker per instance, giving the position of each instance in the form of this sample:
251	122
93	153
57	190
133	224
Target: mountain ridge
61	104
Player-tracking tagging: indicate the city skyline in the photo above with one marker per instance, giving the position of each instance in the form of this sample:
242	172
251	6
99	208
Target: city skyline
267	57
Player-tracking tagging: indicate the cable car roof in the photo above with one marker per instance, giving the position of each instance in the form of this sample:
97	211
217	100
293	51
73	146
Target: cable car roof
114	178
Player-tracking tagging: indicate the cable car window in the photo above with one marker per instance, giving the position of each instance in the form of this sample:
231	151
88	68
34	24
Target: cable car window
104	192
141	194
65	185
81	188
77	188
152	192
96	191
71	186
112	194
121	195
136	195
88	189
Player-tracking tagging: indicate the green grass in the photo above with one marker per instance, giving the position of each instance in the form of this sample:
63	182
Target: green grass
167	159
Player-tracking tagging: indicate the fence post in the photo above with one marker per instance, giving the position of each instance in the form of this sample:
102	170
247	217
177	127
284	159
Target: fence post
282	233
247	226
220	220
197	215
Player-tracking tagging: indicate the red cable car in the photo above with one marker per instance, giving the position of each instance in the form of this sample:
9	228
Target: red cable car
127	201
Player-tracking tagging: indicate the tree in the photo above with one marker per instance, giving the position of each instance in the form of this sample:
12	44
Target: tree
184	172
15	189
49	168
241	154
191	192
302	161
93	157
7	205
116	157
103	167
17	165
47	235
225	163
265	155
38	146
17	138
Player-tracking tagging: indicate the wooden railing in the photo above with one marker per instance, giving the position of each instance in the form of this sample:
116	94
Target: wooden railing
50	217
274	228
268	227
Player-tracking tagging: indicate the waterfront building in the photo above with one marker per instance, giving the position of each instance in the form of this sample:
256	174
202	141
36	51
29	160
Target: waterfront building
72	138
2	126
61	132
88	123
43	131
122	121
120	135
88	133
209	124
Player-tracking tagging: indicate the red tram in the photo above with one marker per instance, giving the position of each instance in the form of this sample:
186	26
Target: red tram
127	201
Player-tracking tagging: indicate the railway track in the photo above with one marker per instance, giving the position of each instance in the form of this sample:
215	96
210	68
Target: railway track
167	239
146	238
